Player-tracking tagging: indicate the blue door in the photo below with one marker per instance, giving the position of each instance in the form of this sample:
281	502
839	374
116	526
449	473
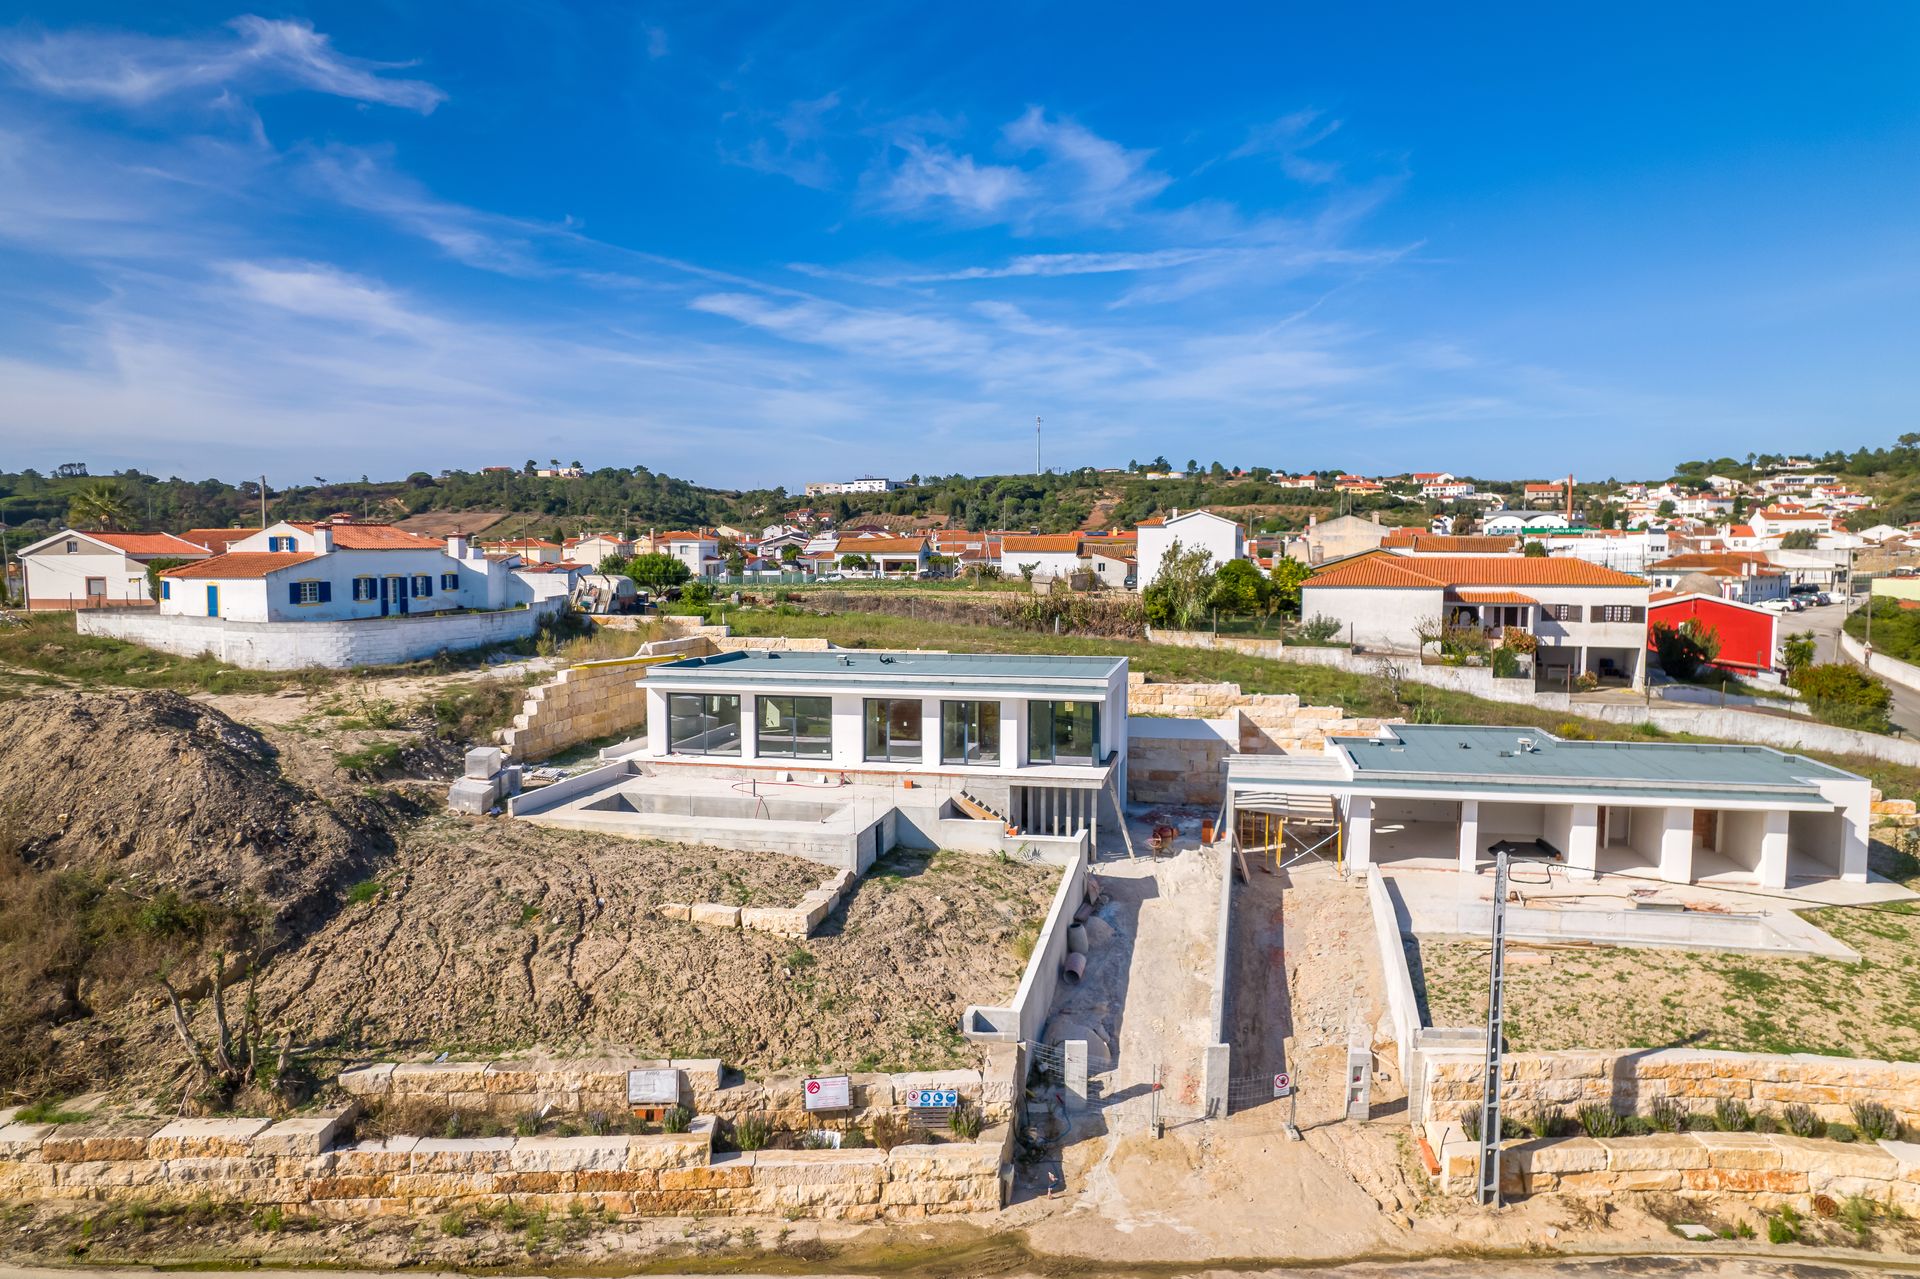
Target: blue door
384	605
213	601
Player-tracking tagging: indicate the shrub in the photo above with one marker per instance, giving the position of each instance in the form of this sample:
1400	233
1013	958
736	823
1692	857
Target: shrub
752	1132
853	1139
270	1219
965	1121
1666	1114
1801	1121
1506	664
1730	1115
1876	1121
371	761
1858	1214
453	1225
815	1140
1784	1226
1598	1120
1845	696
526	1123
364	891
890	1131
1547	1122
1315	630
598	1123
1470	1122
677	1119
1841	1132
1586	681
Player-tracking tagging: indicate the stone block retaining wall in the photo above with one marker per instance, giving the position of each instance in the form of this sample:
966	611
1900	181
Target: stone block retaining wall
672	1174
580	704
798	920
508	1088
1630	1079
1770	1168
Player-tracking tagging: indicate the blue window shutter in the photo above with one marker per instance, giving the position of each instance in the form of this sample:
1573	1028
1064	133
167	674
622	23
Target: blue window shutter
423	586
166	589
293	592
326	592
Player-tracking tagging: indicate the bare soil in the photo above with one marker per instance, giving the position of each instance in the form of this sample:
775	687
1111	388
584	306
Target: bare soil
490	934
1604	997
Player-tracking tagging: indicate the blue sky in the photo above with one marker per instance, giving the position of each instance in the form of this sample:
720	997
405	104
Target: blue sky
757	245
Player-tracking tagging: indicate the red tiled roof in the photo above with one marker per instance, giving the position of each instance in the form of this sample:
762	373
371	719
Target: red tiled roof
240	564
880	546
1019	543
1448	544
663	538
217	539
145	543
1493	597
1725	563
374	537
1385	569
520	544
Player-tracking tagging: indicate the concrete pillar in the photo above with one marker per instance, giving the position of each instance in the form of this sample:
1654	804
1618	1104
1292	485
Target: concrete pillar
1359	832
1216	1060
656	722
1013	733
849	729
1772	864
1583	842
1676	845
749	724
1469	836
1073	1064
1854	820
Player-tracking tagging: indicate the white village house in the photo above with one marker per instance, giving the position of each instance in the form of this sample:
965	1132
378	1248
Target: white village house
1220	537
1046	554
81	570
338	593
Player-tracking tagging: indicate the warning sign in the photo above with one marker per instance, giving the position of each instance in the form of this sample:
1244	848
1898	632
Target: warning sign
1283	1085
933	1099
830	1092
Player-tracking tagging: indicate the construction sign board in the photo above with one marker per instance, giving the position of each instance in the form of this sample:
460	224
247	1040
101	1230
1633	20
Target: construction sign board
653	1087
829	1092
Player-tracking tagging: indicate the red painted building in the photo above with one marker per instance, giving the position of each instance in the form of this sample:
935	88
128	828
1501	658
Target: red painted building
1747	634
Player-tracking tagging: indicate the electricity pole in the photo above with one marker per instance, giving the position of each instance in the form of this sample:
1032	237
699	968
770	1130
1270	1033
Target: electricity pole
1036	445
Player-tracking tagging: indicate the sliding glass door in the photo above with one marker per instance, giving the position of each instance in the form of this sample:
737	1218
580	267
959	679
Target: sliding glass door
893	730
969	732
1063	733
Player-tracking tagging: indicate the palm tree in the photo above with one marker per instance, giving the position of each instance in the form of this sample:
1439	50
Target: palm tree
99	504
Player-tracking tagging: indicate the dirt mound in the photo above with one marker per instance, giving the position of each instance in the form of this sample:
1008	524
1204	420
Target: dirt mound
154	791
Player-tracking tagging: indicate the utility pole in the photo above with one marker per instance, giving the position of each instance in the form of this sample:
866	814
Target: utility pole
263	501
1036	445
1496	1017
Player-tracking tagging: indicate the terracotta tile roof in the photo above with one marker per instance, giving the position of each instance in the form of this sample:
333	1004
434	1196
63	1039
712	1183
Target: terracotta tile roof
1035	543
1723	563
241	564
1385	569
146	543
1492	597
1448	544
217	539
375	537
521	544
880	546
663	539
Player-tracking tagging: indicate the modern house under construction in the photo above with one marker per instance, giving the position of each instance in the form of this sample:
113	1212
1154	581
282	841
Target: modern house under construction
1433	796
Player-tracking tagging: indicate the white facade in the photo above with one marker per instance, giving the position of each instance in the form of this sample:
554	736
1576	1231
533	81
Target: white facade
865	484
1511	522
74	570
1222	538
701	555
1630	552
274	646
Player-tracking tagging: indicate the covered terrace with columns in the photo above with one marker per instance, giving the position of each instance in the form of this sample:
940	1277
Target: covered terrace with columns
1433	796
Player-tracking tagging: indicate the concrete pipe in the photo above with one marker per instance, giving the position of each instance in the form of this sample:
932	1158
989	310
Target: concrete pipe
1074	968
1077	939
1093	889
1084	913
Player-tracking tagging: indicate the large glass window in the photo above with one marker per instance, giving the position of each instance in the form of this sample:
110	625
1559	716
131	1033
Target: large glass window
1063	733
703	724
794	727
969	732
893	730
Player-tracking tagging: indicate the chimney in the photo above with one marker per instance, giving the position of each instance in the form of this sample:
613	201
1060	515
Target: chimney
1374	516
323	538
457	546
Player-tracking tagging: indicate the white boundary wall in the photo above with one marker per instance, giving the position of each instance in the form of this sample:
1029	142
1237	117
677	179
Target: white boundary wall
292	646
1890	669
1026	1016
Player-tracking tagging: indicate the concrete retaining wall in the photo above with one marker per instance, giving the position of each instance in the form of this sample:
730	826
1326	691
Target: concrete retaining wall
1026	1016
1402	1006
583	703
292	646
1216	1064
1767	1169
1630	1079
1890	669
243	1161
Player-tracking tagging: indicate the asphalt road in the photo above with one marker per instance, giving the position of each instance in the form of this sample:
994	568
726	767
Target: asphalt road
1824	623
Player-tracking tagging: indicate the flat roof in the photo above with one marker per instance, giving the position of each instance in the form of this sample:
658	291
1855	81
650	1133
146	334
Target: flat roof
1495	756
852	668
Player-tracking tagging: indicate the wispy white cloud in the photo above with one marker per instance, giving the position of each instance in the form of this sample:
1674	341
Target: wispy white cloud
930	177
1287	138
258	54
798	153
322	292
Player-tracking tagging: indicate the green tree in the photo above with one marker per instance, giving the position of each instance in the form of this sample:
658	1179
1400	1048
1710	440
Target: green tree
99	504
1177	596
1288	577
1800	539
1239	588
656	571
1534	550
1686	650
1797	652
1845	695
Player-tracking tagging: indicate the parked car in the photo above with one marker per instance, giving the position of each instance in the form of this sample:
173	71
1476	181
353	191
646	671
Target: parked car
1824	598
1782	605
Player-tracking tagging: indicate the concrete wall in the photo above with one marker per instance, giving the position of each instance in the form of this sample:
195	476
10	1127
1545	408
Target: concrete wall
288	646
1403	1009
1216	1065
1024	1018
581	704
1890	669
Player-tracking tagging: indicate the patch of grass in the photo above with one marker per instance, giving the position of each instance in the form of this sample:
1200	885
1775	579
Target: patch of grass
48	1110
365	891
373	759
48	643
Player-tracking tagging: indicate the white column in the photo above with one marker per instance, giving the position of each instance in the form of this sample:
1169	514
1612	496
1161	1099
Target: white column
1359	832
849	729
1854	819
1772	864
1469	836
1676	845
1013	733
749	739
1583	842
930	731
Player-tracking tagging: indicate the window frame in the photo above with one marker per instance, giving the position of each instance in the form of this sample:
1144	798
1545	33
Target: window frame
309	588
785	743
1047	712
887	752
709	705
969	715
366	589
449	581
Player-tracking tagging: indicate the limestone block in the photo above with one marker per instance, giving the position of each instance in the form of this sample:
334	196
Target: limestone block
700	1072
674	910
189	1138
484	761
966	1081
390	1154
1907	1155
670	1150
716	915
1575	1154
472	796
20	1141
676	1203
771	919
1751	1151
568	1154
305	1134
736	1173
840	883
438	1078
25	1181
1665	1150
99	1139
461	1155
819	1167
1744	1181
109	1174
341	1208
614	1181
1831	1159
229	1170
